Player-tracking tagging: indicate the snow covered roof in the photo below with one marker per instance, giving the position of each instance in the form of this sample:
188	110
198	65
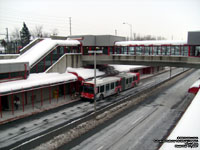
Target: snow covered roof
188	126
85	73
127	68
35	80
100	81
153	42
41	48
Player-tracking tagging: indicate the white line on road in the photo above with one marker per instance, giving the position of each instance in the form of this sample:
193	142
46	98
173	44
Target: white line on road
100	148
136	120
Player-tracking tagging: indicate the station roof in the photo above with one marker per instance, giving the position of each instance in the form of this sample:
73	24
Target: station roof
85	73
41	48
127	68
100	81
36	80
151	42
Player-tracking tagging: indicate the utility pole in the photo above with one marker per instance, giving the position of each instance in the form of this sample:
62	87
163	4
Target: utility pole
7	39
70	26
131	32
7	35
115	32
95	52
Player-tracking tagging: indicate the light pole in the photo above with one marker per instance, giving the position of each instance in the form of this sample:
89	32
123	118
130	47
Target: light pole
95	53
70	26
131	35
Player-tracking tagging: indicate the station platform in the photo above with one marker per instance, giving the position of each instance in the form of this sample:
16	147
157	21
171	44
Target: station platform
8	116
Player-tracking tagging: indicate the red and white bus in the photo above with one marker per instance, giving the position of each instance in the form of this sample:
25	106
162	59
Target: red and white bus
109	85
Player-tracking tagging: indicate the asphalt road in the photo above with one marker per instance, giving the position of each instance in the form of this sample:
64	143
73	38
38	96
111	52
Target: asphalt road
151	120
21	131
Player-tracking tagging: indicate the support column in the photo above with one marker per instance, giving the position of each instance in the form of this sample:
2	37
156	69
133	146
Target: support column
50	94
57	92
0	107
22	100
64	90
32	98
108	50
41	97
12	103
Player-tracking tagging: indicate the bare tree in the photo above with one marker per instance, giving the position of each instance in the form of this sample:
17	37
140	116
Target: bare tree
15	35
37	32
55	31
46	34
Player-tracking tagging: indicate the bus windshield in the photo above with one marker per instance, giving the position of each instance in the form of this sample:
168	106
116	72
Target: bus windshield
88	89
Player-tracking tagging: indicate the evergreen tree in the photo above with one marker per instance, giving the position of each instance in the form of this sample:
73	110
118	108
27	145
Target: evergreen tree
25	35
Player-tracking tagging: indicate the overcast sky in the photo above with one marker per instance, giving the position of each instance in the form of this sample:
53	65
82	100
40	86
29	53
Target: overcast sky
155	17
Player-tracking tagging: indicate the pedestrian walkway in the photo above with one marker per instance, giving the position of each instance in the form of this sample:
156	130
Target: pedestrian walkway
8	116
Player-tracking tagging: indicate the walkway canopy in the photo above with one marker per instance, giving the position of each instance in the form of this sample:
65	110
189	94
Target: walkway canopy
35	81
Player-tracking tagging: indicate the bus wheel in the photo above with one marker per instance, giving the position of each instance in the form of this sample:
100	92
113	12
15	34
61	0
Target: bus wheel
101	97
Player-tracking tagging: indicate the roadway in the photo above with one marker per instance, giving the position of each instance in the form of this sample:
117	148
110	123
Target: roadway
151	120
20	131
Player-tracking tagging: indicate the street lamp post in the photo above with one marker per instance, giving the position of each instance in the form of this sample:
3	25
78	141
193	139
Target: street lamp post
131	35
95	52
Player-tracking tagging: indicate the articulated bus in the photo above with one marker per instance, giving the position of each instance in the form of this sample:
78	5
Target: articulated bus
109	85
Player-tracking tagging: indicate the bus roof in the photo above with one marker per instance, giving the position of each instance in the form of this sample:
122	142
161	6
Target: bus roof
101	81
126	75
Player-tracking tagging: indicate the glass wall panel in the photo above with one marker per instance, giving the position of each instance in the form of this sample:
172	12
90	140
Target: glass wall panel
4	76
197	50
146	50
186	50
155	50
177	50
138	50
132	50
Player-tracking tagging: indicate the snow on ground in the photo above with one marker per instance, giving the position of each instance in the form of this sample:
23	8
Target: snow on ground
127	68
36	80
40	49
85	73
157	42
187	127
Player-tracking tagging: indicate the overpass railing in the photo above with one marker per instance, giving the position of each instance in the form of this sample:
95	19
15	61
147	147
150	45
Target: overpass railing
150	50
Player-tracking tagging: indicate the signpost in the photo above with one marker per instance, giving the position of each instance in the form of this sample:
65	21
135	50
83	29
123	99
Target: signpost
95	52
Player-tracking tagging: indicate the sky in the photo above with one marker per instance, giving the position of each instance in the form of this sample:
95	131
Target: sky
171	19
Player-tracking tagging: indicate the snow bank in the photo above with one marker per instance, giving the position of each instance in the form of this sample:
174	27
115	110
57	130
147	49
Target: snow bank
188	126
127	68
35	80
40	49
85	73
157	42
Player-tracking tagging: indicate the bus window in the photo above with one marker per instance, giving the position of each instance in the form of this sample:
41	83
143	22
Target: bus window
130	80
88	89
116	83
112	85
126	81
107	87
134	78
102	88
